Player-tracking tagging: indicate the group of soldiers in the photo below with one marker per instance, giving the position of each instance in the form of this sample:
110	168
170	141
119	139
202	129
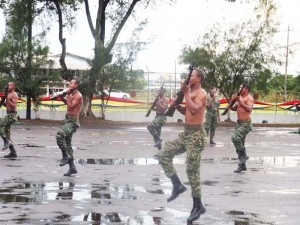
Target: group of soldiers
201	112
71	97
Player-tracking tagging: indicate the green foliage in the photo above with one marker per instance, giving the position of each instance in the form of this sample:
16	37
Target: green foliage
240	53
23	57
112	60
275	86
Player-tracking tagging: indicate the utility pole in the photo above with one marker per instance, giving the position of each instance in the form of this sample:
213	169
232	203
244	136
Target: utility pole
286	62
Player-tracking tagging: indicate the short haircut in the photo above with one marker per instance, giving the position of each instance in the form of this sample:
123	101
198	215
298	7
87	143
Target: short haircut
77	81
246	85
200	74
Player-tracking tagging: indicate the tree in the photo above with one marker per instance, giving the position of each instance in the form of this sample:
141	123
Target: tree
110	14
115	13
22	54
115	76
277	84
229	57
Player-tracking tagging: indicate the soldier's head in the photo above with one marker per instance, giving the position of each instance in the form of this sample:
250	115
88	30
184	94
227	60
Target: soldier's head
197	77
200	74
246	87
74	83
11	86
212	91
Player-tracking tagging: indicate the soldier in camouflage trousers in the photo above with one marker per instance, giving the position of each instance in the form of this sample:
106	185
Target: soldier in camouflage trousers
5	124
243	107
212	115
242	128
70	125
65	133
10	100
160	120
191	141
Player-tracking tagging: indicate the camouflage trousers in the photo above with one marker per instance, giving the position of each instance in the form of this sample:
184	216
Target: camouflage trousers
191	141
5	124
156	125
242	128
65	133
211	121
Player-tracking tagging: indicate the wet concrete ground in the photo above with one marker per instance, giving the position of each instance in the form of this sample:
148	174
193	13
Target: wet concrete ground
119	181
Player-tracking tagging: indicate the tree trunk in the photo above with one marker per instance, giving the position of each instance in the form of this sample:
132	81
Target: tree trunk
86	110
28	108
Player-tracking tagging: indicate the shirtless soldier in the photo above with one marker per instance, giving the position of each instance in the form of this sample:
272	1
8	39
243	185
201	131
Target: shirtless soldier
160	119
70	125
10	118
212	116
243	107
191	141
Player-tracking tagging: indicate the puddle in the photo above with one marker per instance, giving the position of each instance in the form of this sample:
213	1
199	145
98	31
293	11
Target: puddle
104	193
53	191
126	161
243	218
142	218
284	192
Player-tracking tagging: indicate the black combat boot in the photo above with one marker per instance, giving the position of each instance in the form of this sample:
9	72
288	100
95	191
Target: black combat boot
241	168
197	210
7	143
178	188
72	169
12	154
65	159
211	141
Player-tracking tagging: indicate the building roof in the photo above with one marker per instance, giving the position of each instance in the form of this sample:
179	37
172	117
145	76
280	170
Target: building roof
73	62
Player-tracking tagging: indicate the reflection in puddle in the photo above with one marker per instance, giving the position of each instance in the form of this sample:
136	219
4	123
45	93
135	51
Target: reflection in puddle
287	161
125	161
104	193
101	218
142	218
117	218
32	193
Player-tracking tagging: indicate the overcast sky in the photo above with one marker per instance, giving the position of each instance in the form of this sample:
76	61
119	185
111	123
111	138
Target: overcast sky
173	27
